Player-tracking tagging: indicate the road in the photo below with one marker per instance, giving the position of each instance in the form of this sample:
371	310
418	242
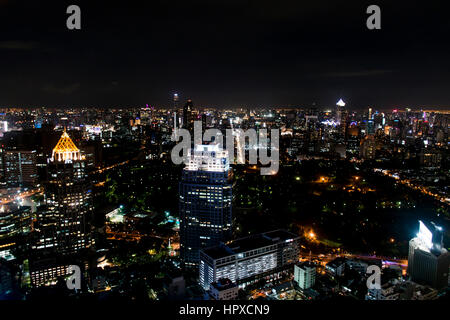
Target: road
22	195
414	186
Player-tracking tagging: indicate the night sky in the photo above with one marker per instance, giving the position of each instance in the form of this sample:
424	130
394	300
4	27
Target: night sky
224	53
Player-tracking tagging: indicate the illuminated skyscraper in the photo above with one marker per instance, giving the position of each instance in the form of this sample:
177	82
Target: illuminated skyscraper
20	167
370	122
15	226
342	117
188	121
68	199
176	120
205	202
175	101
428	260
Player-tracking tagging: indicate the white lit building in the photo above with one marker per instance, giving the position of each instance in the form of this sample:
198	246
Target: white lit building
428	260
224	289
205	195
305	275
247	259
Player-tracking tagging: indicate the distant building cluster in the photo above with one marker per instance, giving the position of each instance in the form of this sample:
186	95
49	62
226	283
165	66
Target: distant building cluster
65	174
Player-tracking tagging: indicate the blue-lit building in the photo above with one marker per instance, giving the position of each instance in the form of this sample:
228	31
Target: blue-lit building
205	196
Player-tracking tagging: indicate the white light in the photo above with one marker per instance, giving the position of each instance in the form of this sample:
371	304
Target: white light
340	103
208	158
425	235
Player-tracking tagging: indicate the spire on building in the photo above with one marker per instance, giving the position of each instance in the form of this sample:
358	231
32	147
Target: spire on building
65	149
340	103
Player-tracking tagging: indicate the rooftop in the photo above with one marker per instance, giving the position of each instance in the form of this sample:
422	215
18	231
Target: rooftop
65	149
223	284
249	243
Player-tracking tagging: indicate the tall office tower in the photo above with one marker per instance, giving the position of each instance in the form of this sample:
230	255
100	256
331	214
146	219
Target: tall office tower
15	226
367	148
342	117
428	260
370	122
20	167
205	195
188	121
175	120
175	101
62	225
305	275
204	121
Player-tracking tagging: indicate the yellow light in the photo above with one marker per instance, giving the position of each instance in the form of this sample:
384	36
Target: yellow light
65	149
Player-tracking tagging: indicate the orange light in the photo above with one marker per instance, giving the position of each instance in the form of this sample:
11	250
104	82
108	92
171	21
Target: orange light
65	149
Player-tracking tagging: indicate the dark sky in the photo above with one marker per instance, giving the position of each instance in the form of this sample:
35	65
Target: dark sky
224	53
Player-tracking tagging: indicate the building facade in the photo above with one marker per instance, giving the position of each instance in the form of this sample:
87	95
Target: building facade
248	259
20	167
428	260
68	201
224	289
305	275
205	196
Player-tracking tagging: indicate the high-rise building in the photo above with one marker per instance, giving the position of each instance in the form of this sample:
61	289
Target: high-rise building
175	101
188	121
367	148
61	231
428	260
15	225
205	195
68	202
20	167
248	259
176	120
342	118
305	275
370	122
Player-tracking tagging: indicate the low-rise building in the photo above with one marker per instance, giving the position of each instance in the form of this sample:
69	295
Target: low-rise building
305	275
336	267
224	289
248	259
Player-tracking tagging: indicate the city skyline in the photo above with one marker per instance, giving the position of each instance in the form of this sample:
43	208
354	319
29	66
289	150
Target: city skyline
97	190
224	157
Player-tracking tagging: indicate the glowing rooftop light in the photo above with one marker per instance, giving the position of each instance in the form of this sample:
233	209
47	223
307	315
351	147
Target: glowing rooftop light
208	158
340	103
65	149
425	235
